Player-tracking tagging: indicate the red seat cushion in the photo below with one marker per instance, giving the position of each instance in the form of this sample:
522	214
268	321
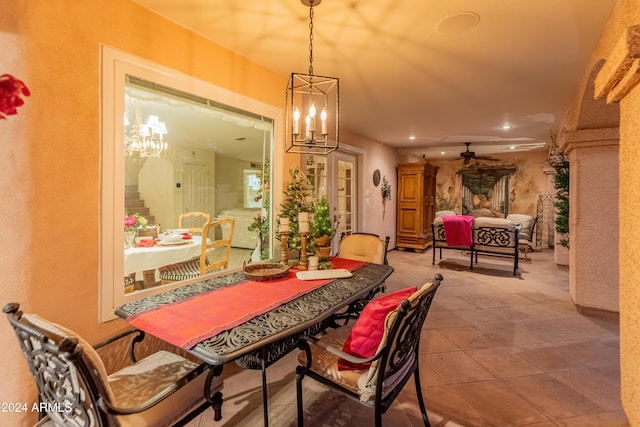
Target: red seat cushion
367	332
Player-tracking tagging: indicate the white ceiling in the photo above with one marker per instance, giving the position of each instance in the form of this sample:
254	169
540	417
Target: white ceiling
445	71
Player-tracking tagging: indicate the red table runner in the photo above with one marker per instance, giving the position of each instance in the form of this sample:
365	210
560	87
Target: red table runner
186	323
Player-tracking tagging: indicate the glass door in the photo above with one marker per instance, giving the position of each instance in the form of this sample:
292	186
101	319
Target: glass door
335	177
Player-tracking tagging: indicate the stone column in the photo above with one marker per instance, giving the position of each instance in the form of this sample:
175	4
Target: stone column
593	218
618	82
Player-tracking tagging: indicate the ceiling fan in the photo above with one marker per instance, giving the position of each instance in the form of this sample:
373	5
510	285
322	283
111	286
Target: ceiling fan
468	155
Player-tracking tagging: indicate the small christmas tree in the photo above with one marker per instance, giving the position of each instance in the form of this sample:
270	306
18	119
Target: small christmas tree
322	227
299	197
322	231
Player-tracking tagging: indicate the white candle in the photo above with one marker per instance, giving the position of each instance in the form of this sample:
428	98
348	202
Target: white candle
303	222
312	116
296	122
284	225
323	116
308	122
313	263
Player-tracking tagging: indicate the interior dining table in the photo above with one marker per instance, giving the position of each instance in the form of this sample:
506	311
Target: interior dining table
146	260
227	318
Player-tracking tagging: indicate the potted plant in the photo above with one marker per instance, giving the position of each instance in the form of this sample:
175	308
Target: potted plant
323	228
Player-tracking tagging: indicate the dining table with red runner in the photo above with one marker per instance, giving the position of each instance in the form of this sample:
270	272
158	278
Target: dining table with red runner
222	318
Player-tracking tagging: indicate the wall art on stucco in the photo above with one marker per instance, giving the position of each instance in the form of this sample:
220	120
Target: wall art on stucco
485	189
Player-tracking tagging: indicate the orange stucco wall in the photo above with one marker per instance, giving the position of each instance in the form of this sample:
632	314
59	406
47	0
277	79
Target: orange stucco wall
626	14
50	163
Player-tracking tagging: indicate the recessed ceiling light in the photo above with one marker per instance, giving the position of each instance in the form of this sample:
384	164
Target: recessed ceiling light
412	137
457	23
443	153
505	126
513	147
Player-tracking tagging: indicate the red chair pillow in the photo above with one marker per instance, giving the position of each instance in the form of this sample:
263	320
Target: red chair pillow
366	334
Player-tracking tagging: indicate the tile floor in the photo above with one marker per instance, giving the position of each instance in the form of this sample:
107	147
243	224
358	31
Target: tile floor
497	350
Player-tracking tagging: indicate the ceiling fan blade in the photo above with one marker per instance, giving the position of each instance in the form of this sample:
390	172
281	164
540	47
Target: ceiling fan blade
486	158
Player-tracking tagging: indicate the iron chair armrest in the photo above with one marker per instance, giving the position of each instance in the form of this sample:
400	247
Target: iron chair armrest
306	340
162	395
121	335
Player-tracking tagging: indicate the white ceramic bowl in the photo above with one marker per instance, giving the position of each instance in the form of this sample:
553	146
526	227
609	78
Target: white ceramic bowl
180	230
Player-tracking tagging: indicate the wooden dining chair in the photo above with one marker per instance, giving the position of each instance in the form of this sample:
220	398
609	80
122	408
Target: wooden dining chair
162	389
193	218
377	380
214	255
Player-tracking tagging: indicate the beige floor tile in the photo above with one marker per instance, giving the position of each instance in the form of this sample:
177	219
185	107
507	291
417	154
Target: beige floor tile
595	386
592	353
455	367
433	341
547	358
606	419
472	338
498	405
503	362
552	397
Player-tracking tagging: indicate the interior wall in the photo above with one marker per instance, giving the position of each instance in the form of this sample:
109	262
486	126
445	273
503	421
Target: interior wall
385	159
51	157
229	175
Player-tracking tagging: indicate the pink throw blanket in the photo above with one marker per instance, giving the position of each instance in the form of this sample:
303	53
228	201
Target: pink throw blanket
458	230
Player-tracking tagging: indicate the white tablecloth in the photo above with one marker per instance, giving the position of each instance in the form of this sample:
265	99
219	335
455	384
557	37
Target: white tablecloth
142	259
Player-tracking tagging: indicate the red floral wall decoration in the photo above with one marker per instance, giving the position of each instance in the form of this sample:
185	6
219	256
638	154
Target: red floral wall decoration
11	92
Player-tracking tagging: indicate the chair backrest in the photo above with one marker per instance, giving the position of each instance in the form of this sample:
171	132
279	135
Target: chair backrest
364	247
400	343
195	220
221	247
68	372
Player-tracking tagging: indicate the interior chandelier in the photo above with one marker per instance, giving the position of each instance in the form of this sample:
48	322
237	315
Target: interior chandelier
318	98
145	139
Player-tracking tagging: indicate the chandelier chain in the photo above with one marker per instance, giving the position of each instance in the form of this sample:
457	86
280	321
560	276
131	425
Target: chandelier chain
311	39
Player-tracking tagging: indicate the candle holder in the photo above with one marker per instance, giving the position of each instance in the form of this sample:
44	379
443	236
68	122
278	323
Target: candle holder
303	252
284	237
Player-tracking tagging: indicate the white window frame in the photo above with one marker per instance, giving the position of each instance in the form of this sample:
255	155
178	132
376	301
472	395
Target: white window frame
114	66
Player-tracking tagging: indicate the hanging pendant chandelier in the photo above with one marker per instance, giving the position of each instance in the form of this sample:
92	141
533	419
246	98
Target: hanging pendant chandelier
312	108
144	139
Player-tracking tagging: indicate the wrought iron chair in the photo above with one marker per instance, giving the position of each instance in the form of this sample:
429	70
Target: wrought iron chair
201	265
194	217
161	389
396	359
362	247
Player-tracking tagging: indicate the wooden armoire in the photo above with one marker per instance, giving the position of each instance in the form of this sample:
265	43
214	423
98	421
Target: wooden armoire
416	205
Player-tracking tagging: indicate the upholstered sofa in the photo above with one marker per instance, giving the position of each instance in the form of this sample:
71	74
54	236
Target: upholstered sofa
497	236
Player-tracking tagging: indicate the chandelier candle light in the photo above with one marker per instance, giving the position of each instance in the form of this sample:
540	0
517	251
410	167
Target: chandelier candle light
145	139
308	92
